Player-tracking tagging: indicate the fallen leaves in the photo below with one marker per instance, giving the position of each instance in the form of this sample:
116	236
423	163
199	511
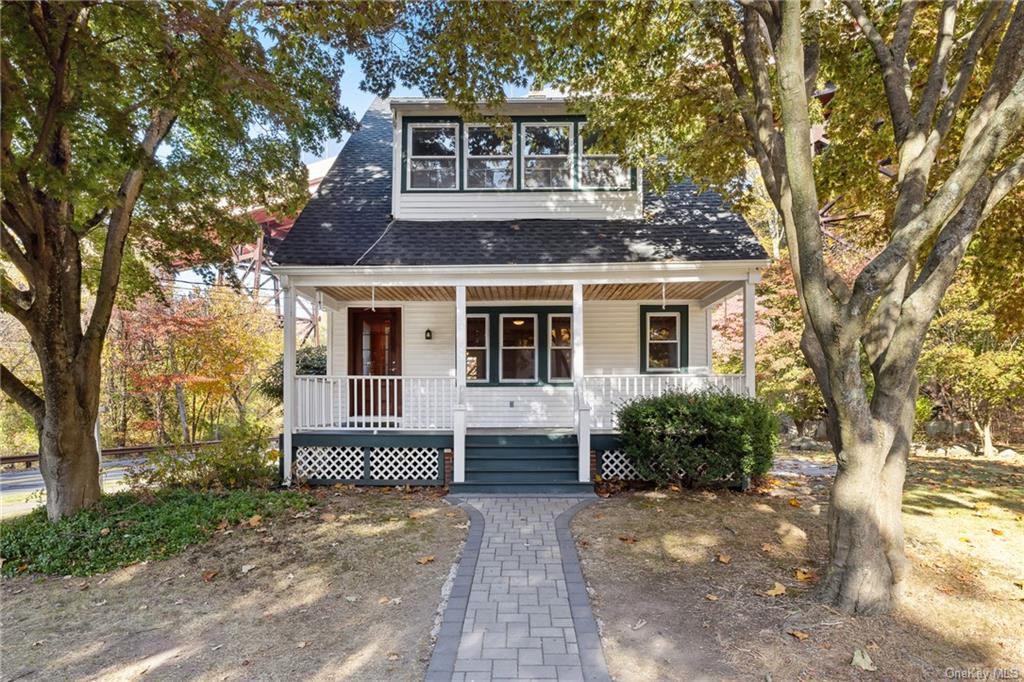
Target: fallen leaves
777	590
247	568
799	634
223	524
423	561
767	547
628	539
793	502
104	532
255	520
805	575
208	576
711	597
301	645
862	660
996	531
394	601
327	517
723	558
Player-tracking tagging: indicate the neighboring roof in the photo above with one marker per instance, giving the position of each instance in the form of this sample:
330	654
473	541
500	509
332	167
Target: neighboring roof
348	222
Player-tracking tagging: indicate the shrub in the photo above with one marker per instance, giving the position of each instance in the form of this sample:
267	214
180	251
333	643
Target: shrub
699	438
125	528
243	459
309	361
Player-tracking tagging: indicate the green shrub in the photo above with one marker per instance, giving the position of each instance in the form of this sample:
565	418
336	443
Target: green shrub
309	361
126	528
243	459
924	408
699	438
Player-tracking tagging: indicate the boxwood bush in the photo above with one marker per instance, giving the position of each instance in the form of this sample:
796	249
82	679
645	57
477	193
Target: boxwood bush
699	438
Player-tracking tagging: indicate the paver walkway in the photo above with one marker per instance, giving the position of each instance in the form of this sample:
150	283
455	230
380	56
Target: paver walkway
518	608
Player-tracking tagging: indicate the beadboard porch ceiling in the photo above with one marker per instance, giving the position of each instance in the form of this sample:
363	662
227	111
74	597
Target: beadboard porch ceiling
591	292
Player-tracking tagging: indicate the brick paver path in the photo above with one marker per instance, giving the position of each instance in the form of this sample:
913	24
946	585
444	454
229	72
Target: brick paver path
518	608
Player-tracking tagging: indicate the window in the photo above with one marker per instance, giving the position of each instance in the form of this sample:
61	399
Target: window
476	347
547	155
560	348
489	160
600	170
663	337
518	347
433	161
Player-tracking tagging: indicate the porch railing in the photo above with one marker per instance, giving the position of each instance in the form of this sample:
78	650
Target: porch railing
325	403
605	393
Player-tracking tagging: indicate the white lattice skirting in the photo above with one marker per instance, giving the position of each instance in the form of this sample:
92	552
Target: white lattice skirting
615	465
349	463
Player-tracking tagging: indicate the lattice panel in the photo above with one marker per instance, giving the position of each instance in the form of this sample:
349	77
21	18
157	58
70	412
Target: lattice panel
616	465
329	462
404	464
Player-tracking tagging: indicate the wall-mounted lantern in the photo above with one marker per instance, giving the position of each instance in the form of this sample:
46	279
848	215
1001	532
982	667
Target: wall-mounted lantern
428	335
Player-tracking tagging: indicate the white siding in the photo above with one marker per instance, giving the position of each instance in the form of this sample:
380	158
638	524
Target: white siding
519	406
611	336
584	204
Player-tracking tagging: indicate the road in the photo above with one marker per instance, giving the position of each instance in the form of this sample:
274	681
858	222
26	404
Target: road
19	487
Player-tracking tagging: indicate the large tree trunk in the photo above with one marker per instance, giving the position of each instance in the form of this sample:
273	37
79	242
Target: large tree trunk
984	430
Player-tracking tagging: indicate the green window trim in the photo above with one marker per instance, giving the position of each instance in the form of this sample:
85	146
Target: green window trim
683	311
543	345
517	121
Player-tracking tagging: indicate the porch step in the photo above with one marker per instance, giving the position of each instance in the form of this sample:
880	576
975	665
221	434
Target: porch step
527	463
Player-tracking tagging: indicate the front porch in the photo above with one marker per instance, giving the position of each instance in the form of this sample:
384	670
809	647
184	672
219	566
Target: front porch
422	363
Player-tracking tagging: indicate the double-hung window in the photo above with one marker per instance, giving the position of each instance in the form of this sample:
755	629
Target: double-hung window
560	348
547	155
433	156
476	347
599	170
663	342
518	348
490	163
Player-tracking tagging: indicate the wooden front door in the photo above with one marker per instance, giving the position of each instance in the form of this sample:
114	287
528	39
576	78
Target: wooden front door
375	352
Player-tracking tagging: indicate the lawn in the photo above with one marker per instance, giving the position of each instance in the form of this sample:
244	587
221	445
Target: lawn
349	588
679	579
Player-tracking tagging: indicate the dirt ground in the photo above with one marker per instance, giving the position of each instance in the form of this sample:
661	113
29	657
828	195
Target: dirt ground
346	591
678	579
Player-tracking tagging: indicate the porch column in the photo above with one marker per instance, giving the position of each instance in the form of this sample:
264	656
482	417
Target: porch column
748	338
289	377
582	408
459	409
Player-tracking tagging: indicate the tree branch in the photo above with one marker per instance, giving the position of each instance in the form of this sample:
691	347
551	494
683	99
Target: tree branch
17	255
17	302
901	35
940	63
22	395
893	80
1010	177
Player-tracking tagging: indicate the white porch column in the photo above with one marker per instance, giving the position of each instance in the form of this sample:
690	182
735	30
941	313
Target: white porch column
748	338
582	408
708	329
289	377
459	414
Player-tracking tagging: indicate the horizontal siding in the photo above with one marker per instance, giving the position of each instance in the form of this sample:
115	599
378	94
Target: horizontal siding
584	205
611	336
519	406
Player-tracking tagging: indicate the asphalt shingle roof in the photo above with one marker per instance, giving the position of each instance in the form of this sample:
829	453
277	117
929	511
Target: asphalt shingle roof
348	222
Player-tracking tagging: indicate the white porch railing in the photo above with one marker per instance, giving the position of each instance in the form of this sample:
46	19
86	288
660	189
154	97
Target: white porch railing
605	393
325	403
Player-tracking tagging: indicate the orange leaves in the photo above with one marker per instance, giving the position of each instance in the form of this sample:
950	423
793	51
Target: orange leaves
711	597
723	559
793	502
799	634
255	521
423	561
208	576
805	575
776	590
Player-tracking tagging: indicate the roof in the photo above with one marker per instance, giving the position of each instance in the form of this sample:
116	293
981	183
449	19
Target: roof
348	222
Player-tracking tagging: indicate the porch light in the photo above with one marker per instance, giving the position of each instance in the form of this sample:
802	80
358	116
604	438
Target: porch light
428	335
519	323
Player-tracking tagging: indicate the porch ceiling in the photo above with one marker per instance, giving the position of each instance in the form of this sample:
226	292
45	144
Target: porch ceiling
591	292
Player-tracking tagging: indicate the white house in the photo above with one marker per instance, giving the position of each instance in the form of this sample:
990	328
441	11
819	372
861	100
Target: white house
492	295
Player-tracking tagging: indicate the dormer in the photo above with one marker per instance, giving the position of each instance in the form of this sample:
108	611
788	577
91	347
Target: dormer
536	164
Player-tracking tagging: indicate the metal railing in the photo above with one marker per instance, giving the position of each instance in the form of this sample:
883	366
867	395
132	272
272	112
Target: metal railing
605	393
324	403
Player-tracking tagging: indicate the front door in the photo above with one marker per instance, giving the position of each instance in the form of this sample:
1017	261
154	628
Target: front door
375	352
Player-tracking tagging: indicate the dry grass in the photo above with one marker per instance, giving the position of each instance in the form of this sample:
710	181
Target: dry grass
310	606
653	558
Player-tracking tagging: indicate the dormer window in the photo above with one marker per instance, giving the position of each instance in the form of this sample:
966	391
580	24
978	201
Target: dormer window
490	163
433	156
547	155
600	171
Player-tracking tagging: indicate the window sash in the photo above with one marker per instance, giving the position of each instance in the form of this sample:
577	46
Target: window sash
556	348
487	171
677	342
454	156
503	348
529	176
485	348
625	179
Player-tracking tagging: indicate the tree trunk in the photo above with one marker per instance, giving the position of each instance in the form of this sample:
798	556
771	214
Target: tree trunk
984	430
868	563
